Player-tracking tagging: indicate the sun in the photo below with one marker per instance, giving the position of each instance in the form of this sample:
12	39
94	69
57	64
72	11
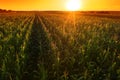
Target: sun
73	5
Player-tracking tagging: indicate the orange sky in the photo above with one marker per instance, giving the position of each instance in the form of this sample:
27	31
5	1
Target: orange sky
58	4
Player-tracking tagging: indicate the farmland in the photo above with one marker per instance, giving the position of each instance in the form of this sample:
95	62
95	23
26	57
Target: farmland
59	46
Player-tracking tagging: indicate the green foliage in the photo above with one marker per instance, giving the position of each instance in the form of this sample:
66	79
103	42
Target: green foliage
62	46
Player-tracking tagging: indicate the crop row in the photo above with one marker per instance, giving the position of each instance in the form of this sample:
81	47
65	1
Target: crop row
86	47
14	36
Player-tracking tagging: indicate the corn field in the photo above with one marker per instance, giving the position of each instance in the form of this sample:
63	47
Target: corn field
59	46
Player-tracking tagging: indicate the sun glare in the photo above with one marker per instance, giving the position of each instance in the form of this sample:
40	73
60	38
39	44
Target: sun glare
73	5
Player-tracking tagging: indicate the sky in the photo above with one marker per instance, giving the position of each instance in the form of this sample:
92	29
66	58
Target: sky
59	4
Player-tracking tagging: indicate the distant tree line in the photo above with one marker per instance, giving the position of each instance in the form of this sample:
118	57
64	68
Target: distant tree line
4	10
